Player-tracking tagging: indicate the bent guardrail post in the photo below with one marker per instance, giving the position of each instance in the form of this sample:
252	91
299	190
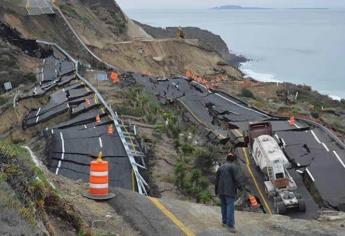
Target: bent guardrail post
139	178
141	183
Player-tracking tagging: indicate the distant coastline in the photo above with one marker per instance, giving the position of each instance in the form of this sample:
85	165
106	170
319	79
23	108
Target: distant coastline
238	7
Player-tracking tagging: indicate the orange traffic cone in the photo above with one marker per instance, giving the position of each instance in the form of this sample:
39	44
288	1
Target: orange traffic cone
114	77
110	130
253	202
98	119
99	180
189	74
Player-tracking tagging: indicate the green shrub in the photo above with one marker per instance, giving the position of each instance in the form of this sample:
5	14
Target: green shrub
30	78
247	93
315	114
204	197
3	100
191	182
187	148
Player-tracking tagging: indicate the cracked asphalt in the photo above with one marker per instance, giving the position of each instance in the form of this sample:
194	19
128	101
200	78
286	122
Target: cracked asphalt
315	155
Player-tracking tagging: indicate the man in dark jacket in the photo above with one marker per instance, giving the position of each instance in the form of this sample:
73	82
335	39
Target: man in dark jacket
228	180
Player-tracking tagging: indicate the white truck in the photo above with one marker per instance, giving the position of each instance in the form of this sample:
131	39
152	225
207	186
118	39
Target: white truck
272	162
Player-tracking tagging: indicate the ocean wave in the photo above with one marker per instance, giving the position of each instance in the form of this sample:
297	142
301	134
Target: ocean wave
260	76
270	78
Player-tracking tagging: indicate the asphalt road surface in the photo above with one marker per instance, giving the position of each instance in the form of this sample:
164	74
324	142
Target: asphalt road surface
323	165
322	160
74	142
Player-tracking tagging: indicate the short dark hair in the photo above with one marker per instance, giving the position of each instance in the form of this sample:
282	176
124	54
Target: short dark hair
230	157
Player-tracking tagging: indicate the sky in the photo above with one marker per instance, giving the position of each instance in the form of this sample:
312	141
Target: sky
181	4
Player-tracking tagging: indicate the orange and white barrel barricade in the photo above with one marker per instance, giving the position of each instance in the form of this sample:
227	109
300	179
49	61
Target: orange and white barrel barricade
292	120
253	202
99	180
110	129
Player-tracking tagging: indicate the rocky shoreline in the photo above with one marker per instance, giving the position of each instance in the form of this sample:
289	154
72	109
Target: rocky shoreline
206	39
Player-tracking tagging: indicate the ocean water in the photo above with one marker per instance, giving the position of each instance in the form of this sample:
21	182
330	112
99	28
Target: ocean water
303	46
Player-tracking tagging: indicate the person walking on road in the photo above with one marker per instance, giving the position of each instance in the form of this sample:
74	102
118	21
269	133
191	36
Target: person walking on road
228	180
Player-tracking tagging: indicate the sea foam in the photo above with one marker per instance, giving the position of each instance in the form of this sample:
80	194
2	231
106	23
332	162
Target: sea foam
260	76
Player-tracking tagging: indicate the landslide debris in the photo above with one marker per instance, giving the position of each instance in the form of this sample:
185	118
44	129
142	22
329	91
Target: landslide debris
180	154
107	31
206	39
284	99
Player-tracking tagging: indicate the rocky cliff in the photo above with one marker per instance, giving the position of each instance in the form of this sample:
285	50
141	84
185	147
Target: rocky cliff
206	39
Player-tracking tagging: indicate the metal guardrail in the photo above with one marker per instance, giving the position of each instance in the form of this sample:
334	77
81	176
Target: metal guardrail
15	99
141	183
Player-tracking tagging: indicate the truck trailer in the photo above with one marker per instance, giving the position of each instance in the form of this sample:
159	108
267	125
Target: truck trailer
272	162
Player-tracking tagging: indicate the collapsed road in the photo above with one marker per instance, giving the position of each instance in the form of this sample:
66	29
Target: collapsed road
84	126
78	139
317	158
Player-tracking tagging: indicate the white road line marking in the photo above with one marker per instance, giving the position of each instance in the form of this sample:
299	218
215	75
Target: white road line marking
299	171
201	86
339	159
310	175
298	164
239	105
324	145
284	143
85	126
316	138
62	154
100	142
37	119
38	112
63	142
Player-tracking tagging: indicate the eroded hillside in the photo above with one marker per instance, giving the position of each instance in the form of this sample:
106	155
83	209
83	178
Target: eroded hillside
108	32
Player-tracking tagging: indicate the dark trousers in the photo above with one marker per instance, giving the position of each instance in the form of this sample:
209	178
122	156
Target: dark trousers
228	210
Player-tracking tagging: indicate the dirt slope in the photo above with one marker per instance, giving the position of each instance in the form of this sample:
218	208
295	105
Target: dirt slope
113	37
121	42
162	57
207	39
